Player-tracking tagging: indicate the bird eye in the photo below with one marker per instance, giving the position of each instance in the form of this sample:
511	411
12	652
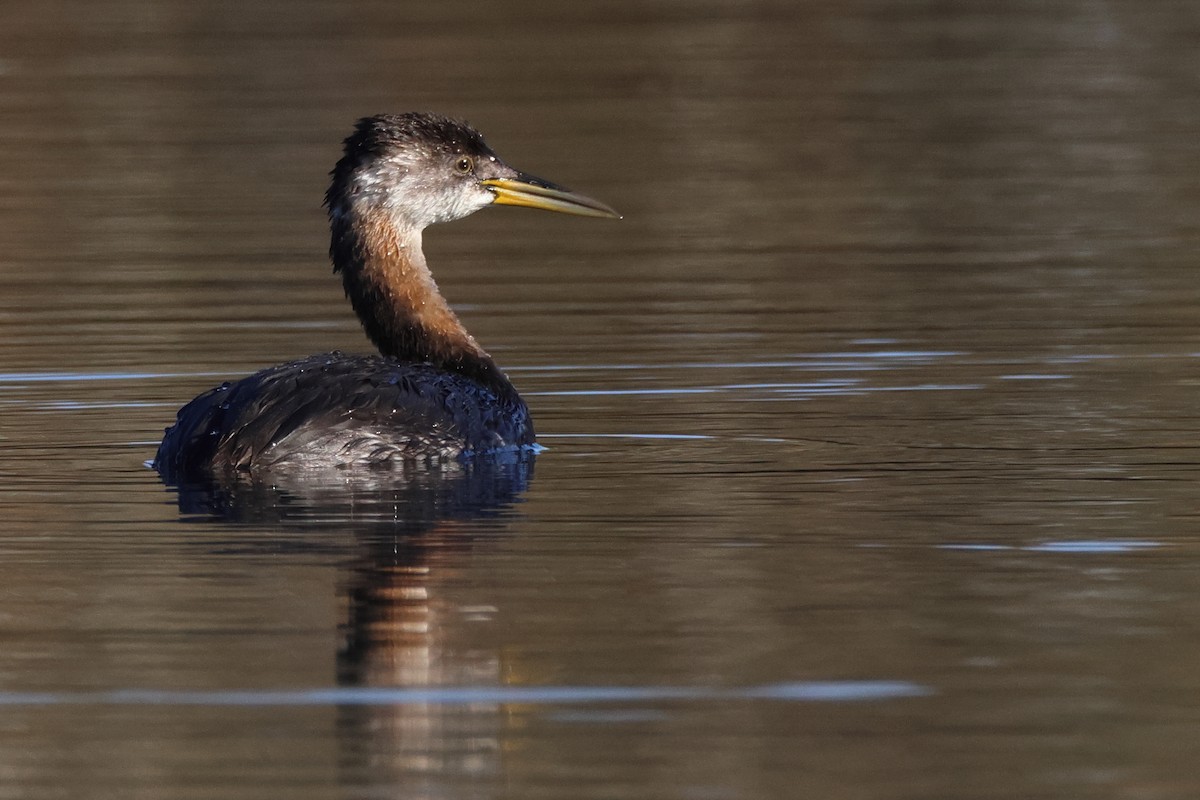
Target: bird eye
464	165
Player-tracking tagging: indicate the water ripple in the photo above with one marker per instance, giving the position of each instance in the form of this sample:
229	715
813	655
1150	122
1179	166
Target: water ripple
805	691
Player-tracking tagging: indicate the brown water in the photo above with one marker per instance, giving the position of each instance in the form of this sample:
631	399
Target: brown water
872	466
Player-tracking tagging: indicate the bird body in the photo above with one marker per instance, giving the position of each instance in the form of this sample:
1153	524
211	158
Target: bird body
338	410
433	394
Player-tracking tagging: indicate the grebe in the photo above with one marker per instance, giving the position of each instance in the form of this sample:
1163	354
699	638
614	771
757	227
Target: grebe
433	393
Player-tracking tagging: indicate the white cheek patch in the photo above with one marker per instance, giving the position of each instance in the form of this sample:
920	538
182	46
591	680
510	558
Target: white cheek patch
415	195
413	205
468	202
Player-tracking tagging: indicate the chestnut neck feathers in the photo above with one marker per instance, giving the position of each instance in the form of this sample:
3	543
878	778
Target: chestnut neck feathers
386	189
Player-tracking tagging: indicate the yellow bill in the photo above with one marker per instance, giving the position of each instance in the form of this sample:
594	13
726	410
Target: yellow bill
531	192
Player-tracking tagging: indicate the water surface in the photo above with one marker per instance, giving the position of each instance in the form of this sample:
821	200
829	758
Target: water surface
871	467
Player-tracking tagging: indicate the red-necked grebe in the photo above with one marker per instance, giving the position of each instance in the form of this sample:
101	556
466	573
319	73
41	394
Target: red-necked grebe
433	393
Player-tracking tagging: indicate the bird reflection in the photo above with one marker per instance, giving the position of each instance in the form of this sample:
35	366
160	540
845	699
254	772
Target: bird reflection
403	538
399	632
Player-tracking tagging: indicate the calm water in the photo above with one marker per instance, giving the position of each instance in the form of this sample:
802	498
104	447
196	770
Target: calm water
872	464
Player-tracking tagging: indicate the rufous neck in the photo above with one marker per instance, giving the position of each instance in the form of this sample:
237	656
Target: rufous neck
389	284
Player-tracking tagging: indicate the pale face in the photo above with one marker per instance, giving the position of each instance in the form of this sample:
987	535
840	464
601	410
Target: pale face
420	169
421	185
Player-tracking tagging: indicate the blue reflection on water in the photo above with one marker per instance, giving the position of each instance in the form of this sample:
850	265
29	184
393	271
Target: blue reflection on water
807	691
1079	546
